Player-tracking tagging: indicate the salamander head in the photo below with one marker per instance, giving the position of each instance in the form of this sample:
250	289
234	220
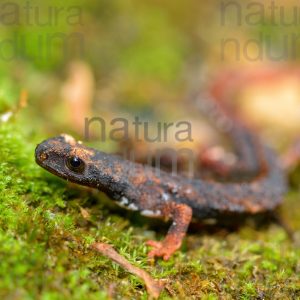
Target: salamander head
68	159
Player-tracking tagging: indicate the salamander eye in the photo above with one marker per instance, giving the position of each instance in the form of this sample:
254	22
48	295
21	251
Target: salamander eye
75	164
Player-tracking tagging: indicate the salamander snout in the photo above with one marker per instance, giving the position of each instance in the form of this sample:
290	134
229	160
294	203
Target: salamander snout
40	153
53	149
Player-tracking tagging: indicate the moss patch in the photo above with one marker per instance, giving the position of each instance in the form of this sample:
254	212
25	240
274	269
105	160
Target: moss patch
45	238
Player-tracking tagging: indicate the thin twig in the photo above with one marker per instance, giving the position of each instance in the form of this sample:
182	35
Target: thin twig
154	287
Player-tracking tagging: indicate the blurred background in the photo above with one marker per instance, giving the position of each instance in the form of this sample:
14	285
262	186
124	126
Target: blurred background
126	58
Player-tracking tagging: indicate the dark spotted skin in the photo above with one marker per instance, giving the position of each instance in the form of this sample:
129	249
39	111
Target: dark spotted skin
159	194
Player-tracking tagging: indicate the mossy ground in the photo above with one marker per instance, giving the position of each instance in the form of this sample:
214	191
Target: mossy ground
144	56
45	237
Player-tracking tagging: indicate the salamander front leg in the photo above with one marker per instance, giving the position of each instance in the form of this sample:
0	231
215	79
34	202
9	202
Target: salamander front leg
181	216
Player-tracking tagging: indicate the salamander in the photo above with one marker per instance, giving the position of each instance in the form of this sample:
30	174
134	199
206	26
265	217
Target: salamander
257	180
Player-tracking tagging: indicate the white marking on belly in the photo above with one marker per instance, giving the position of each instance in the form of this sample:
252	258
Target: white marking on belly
124	201
151	213
132	206
165	197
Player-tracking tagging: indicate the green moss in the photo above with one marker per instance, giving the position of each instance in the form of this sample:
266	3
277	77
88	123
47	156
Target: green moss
44	243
